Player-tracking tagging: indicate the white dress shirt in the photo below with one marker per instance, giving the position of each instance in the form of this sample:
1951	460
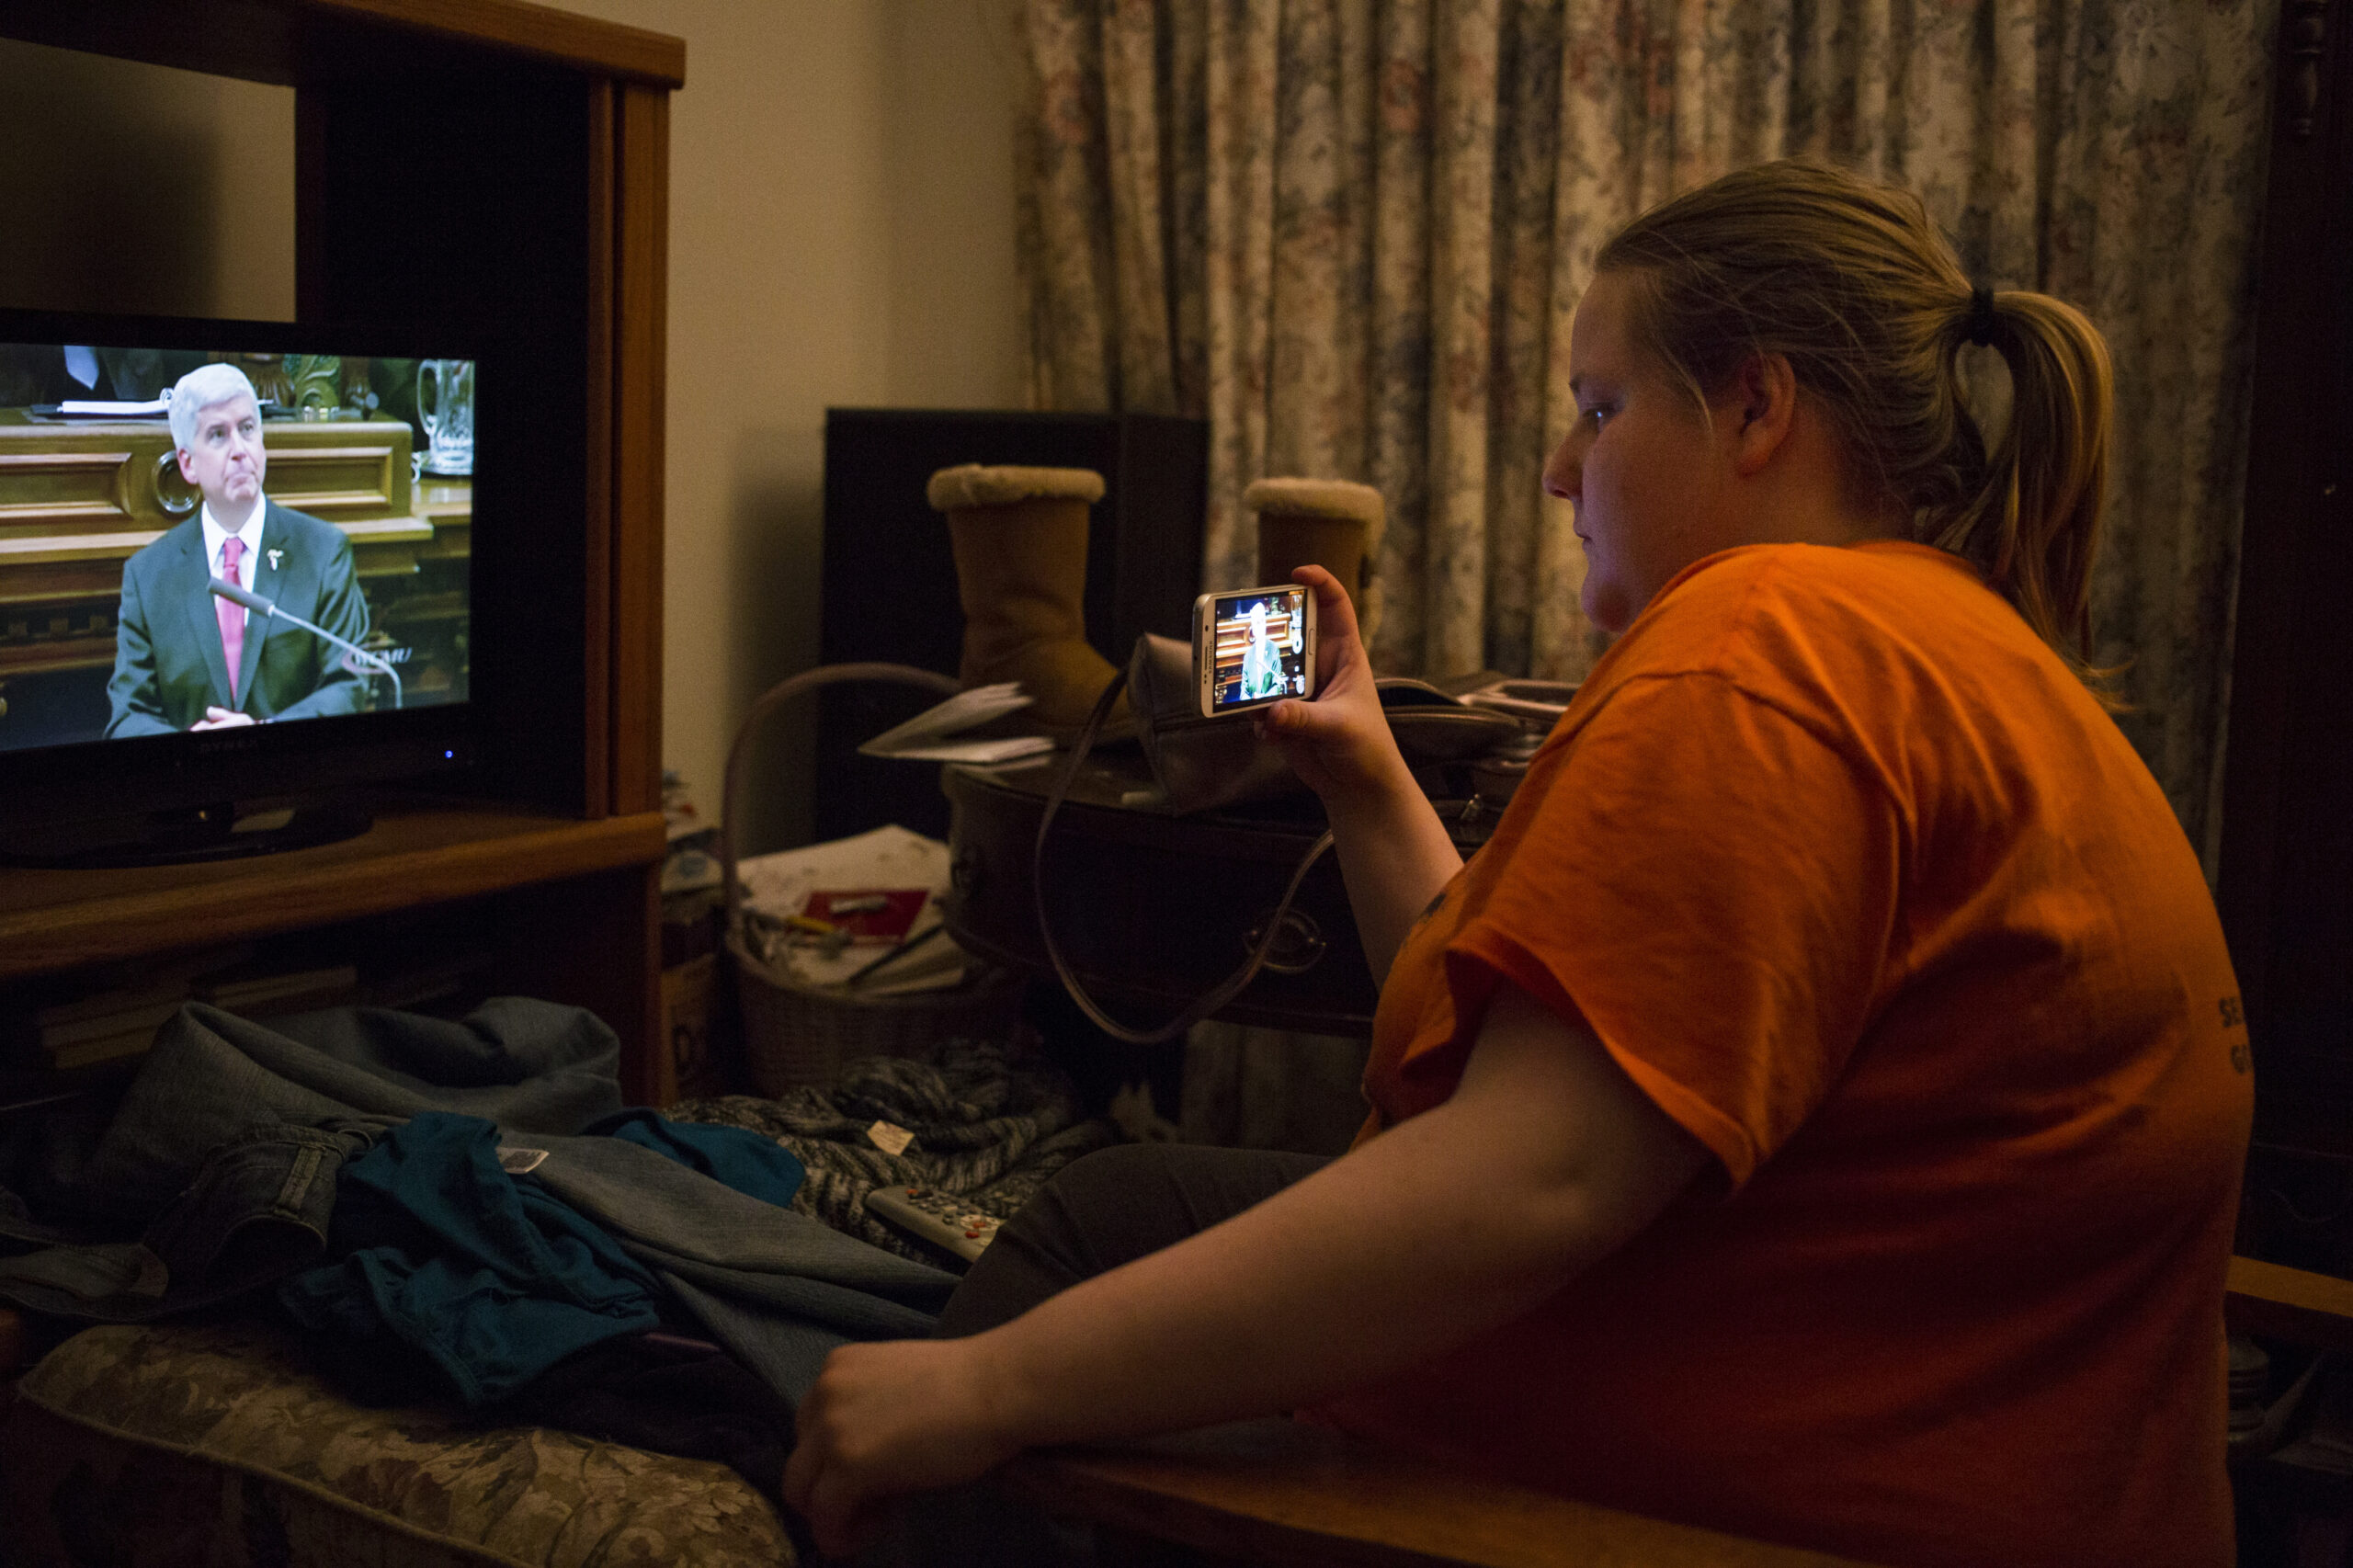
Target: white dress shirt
215	535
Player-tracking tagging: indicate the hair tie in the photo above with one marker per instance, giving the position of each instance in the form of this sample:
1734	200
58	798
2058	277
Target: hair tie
1979	328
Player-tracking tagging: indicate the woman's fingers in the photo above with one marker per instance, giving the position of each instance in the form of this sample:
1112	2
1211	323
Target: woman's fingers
824	1486
1336	622
1338	743
1293	720
840	1516
801	1469
884	1420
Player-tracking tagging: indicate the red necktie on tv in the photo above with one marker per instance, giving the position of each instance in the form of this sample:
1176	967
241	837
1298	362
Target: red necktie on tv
232	615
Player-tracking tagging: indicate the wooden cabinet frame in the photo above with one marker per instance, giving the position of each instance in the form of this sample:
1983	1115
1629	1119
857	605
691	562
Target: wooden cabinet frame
482	165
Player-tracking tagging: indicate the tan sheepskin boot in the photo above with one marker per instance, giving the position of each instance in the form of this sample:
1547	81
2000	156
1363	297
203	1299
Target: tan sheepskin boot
1021	541
1331	523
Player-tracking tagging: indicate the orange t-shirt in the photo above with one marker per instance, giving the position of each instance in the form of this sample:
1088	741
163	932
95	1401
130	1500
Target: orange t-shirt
1857	882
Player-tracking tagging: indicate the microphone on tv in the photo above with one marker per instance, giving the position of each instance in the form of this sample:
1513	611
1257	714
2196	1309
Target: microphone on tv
266	608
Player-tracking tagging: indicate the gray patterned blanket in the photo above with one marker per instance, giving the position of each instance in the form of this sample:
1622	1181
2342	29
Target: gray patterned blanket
991	1121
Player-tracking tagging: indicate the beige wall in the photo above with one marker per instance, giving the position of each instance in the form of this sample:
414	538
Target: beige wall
134	188
841	234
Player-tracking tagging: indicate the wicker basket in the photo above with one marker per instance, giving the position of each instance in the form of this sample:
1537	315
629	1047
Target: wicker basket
797	1034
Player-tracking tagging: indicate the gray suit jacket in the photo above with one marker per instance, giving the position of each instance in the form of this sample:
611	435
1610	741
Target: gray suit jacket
167	661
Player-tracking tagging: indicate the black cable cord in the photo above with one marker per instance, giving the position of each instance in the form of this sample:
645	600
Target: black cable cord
1210	1001
2310	1222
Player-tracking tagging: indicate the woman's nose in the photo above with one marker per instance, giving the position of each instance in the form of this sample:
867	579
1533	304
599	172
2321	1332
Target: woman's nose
1565	473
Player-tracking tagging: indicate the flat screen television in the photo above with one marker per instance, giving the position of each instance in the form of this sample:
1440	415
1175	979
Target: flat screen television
236	568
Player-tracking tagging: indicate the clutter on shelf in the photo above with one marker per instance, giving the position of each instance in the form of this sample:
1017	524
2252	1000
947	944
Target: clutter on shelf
812	997
107	1017
692	864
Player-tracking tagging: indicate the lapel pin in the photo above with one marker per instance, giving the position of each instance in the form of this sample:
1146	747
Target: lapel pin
273	555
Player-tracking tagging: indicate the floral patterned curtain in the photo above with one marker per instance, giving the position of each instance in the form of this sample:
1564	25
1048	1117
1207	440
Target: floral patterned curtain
1352	234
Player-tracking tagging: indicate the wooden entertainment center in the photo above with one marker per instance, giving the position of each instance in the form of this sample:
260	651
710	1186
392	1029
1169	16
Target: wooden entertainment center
460	163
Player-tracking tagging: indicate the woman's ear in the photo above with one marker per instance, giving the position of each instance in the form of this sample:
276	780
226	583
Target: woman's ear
1760	408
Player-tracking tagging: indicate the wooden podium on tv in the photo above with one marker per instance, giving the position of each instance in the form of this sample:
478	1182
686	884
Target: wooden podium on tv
78	498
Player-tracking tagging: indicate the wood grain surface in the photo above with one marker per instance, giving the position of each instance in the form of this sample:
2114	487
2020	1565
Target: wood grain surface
602	48
2304	1308
54	920
1281	1492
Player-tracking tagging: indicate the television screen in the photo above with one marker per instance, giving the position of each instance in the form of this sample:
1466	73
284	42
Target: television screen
196	539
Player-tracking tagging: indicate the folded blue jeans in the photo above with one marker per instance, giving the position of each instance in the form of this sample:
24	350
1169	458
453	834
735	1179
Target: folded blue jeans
258	1206
777	1286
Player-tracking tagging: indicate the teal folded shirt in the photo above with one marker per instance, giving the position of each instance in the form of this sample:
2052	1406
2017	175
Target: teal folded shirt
453	1271
734	1156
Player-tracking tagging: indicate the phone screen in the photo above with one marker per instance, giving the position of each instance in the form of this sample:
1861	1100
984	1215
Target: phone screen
1259	651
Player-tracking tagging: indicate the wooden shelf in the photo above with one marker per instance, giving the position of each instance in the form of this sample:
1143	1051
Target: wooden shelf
607	49
2294	1304
51	920
291	42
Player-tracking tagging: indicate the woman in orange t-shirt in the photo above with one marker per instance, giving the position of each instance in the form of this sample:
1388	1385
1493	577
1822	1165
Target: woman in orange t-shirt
1817	1113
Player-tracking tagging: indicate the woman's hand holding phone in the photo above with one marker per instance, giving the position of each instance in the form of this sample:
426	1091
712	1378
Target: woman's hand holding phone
1339	743
1394	853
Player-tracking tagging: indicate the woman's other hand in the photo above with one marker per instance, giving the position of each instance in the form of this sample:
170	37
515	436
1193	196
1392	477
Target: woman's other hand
1339	743
884	1420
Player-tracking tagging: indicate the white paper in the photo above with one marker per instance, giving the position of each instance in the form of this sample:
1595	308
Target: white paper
779	884
99	408
777	887
982	754
924	738
889	1137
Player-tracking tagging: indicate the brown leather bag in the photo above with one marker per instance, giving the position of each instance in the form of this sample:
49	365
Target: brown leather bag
1201	764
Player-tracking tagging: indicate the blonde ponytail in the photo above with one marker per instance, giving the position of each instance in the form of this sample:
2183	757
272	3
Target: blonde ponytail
2033	524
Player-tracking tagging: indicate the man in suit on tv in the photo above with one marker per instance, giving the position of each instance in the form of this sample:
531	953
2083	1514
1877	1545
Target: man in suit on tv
178	644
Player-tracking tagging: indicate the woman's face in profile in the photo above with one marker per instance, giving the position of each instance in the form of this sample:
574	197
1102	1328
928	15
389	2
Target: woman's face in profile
1638	465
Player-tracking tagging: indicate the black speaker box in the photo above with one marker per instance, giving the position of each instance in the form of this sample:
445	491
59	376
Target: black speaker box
889	575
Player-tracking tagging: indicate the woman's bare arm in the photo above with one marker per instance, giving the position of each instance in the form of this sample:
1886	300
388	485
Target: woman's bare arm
1394	853
1546	1159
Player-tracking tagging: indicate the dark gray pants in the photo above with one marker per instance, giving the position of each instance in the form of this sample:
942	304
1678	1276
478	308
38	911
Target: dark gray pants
1106	1208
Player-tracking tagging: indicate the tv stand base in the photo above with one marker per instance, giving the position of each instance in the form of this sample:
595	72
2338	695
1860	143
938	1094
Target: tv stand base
219	832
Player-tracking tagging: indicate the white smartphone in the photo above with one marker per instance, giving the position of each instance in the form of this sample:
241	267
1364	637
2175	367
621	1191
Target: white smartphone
1252	647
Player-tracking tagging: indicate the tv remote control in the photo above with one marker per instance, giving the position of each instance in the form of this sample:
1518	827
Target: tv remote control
941	1218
